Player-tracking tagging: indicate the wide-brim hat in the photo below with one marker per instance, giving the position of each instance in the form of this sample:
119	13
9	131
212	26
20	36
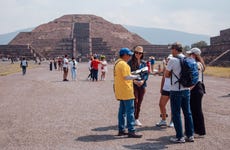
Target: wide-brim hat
139	49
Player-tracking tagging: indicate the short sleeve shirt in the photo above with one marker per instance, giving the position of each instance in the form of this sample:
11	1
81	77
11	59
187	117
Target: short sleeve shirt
174	66
123	88
65	63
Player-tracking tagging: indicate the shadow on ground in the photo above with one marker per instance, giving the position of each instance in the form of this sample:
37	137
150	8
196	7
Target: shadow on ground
97	138
153	144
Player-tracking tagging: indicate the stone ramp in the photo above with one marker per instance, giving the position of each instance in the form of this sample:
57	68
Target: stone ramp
38	111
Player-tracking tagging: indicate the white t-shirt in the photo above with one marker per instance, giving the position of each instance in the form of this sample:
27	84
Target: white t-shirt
73	63
174	66
65	63
104	66
24	63
89	64
167	84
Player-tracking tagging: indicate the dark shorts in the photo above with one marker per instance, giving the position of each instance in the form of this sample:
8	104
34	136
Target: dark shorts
165	93
65	69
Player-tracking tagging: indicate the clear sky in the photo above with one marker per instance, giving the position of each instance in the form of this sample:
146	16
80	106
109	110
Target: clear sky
194	16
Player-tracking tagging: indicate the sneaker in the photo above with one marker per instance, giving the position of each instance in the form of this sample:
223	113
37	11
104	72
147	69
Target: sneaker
161	123
171	125
134	135
189	139
177	140
138	123
122	133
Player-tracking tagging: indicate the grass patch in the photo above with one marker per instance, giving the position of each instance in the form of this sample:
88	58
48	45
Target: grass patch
7	68
223	72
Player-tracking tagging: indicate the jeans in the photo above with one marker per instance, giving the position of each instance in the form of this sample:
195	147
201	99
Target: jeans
126	111
178	100
23	70
73	73
95	74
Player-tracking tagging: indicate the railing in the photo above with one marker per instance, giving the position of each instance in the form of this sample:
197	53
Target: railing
214	60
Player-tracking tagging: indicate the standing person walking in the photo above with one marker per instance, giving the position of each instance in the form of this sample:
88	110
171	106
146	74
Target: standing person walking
135	64
73	66
197	94
104	68
95	63
65	68
179	97
24	65
51	65
90	76
152	61
165	92
123	89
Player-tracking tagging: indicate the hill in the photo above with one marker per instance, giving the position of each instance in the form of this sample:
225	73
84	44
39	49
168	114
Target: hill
152	35
165	36
6	38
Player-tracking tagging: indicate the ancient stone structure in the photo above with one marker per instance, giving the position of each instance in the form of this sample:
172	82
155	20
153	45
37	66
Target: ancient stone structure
84	35
218	53
78	36
158	51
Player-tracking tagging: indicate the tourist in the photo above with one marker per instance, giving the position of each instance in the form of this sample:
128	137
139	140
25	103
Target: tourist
152	61
94	64
124	93
104	68
55	64
24	65
135	64
179	98
165	91
197	93
90	76
65	68
51	65
60	63
73	66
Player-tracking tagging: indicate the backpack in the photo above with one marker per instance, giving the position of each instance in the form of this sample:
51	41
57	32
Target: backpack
189	74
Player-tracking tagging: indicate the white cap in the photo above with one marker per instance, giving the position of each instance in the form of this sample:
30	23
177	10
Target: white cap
194	50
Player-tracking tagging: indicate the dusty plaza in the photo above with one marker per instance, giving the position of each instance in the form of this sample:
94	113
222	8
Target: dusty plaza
39	111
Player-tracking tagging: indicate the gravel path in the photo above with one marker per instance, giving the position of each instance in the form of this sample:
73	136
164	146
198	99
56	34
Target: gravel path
39	111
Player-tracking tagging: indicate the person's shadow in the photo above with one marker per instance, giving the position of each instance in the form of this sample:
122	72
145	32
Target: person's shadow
99	137
153	144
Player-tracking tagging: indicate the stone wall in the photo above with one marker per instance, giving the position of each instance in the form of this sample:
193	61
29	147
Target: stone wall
217	53
17	51
157	51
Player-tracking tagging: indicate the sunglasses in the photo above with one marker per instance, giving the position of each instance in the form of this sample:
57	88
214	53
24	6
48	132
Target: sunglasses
138	53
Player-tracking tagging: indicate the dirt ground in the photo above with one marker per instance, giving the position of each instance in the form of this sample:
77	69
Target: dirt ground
39	111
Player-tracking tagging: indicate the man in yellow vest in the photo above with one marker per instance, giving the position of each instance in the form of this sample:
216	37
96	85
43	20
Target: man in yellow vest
123	89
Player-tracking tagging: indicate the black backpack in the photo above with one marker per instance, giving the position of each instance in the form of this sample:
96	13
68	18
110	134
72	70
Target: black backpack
189	74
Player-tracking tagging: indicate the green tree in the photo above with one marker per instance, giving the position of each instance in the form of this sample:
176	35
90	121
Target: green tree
199	44
186	48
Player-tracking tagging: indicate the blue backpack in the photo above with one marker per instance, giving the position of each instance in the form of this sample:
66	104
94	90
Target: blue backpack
189	74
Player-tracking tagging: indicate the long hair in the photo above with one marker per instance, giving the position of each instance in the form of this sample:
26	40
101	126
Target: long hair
200	59
134	63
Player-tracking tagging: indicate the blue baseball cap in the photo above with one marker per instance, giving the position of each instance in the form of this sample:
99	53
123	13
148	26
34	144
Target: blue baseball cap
125	51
